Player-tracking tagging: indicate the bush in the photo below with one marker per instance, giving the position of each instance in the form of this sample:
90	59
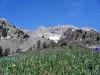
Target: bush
80	31
38	44
7	52
18	50
70	46
83	37
45	45
43	36
1	51
97	38
53	44
63	44
30	49
26	36
4	33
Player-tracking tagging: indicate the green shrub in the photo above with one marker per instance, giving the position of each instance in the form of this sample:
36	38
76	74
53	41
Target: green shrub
70	46
97	38
53	44
63	44
1	51
18	50
26	36
7	52
30	49
38	44
45	45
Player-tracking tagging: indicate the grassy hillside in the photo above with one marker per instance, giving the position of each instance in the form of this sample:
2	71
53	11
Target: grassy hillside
62	61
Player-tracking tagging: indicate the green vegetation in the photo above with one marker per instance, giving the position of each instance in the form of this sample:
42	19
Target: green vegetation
39	44
53	44
26	36
62	61
18	50
4	33
97	38
7	52
63	44
1	53
45	45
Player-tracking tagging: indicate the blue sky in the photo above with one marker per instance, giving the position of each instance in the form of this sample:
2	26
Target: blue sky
29	14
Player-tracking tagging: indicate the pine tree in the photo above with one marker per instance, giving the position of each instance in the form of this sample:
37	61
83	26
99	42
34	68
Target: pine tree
38	63
38	44
52	44
83	37
44	45
97	38
63	44
4	33
18	50
7	51
1	51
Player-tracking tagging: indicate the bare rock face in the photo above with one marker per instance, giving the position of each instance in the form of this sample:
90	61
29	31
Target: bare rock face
11	36
56	32
9	30
24	39
53	33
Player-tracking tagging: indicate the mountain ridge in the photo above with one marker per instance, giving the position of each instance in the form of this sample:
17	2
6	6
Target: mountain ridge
24	39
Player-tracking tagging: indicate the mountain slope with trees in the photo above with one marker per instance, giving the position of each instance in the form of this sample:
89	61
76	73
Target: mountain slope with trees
15	40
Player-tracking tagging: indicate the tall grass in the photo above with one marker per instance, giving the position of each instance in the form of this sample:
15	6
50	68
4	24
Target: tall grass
61	61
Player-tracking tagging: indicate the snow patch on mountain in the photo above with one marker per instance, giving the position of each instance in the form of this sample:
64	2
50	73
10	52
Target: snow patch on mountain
55	38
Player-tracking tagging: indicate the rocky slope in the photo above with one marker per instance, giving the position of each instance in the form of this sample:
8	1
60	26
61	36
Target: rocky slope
11	36
19	38
81	38
56	32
